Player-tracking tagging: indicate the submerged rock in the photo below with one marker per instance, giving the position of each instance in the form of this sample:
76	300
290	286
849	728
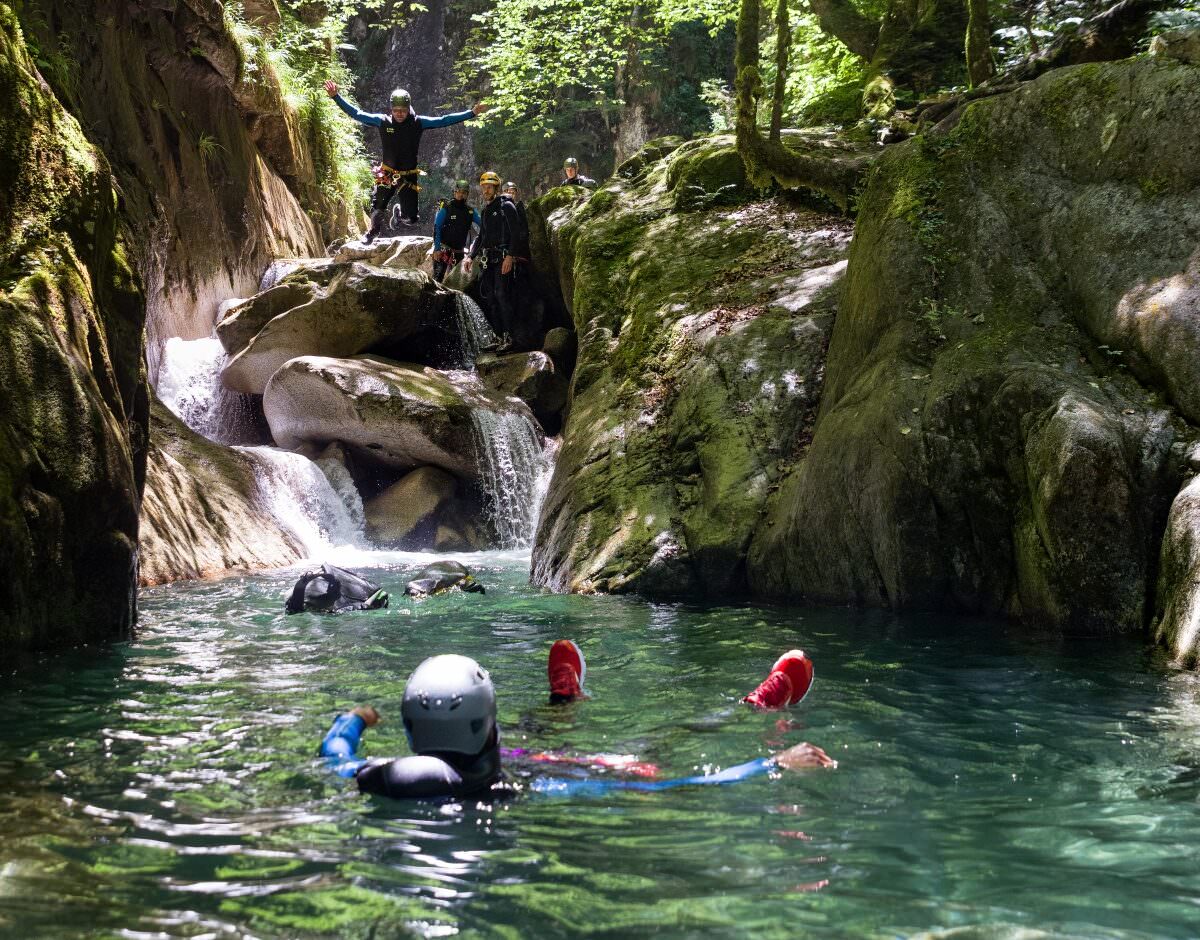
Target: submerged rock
443	576
400	415
349	309
203	512
700	359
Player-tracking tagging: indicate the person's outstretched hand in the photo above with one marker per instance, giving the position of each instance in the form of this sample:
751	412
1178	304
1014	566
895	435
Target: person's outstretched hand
368	714
803	756
480	107
331	88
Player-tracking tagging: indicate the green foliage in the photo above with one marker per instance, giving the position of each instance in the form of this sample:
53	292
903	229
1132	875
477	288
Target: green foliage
299	57
548	61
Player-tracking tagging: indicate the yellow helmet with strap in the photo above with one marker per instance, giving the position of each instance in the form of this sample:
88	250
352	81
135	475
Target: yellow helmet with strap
489	177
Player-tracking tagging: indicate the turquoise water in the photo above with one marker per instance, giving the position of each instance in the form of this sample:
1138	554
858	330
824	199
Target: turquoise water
989	780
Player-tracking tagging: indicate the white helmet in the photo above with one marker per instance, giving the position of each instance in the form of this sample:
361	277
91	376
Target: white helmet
449	705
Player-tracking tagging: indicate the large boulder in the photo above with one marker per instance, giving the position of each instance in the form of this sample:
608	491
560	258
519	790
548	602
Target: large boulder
405	515
400	415
701	355
74	422
532	378
996	433
361	308
410	252
204	512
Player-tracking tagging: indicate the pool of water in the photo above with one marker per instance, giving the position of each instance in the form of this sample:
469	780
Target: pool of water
990	782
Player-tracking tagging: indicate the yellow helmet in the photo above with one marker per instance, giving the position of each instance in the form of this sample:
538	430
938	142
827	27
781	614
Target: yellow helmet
489	177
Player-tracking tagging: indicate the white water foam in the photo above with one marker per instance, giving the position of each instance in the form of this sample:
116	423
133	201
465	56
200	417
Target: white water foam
511	460
343	485
189	383
302	500
473	329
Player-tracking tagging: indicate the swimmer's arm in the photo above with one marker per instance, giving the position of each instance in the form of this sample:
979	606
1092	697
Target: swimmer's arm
340	745
800	757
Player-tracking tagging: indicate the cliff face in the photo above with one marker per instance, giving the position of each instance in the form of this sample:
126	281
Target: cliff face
1008	407
75	411
214	177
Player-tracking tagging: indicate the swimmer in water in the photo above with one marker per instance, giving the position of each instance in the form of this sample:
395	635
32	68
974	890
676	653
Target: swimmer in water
449	712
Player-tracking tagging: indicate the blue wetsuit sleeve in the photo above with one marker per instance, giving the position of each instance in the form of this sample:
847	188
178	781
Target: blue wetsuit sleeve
437	228
429	123
575	786
371	120
341	744
476	219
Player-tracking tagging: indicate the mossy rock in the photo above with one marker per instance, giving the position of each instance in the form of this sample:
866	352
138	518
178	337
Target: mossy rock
74	428
700	350
996	433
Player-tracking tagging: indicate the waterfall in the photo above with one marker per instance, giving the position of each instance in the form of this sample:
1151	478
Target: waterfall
343	485
189	383
511	460
302	500
473	330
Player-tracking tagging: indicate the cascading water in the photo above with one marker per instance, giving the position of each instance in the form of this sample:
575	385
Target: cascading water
512	461
343	485
473	329
189	383
301	498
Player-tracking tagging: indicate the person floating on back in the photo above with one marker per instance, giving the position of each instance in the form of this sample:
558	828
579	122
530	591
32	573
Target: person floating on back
451	228
400	136
334	590
503	240
572	176
449	712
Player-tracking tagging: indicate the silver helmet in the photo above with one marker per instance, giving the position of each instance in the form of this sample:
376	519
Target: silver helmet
449	705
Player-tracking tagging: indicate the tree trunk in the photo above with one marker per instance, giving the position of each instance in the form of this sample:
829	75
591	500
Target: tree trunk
980	65
783	44
769	161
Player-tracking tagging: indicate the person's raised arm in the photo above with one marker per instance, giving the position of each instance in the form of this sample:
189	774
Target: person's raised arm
340	744
371	120
456	118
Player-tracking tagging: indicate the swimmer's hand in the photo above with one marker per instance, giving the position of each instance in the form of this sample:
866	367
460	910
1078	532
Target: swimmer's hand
803	756
368	714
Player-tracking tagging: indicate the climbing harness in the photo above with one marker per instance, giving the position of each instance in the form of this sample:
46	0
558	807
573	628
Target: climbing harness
402	179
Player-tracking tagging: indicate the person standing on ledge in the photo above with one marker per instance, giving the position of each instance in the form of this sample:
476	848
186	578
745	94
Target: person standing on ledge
400	136
573	176
502	241
451	227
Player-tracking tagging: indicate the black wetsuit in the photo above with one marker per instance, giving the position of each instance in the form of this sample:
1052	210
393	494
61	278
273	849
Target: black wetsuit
501	234
401	142
334	590
579	180
451	229
443	774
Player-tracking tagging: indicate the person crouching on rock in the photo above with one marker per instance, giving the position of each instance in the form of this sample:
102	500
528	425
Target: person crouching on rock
451	228
501	242
400	136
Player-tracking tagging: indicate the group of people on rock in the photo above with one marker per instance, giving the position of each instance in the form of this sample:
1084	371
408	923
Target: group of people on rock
449	714
501	244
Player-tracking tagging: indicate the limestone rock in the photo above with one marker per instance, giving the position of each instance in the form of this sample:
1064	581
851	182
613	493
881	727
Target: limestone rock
562	346
700	361
532	378
361	308
203	512
403	416
404	251
1182	45
75	414
993	435
405	515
